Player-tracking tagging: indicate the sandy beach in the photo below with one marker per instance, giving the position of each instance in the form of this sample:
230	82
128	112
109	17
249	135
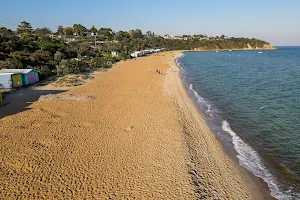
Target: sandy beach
140	137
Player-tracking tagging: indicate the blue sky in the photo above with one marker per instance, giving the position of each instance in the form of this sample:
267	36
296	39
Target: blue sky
275	21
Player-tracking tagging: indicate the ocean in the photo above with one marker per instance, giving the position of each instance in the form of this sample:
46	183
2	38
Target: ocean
252	100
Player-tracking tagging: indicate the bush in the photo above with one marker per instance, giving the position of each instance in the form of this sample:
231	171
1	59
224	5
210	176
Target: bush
99	62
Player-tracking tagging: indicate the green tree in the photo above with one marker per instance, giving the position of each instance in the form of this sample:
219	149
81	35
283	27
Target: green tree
42	31
79	29
99	62
11	63
40	57
93	30
60	30
68	30
137	33
24	27
51	46
58	56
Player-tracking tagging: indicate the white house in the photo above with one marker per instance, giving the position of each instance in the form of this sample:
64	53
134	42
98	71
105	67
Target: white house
114	54
136	54
89	34
146	52
168	36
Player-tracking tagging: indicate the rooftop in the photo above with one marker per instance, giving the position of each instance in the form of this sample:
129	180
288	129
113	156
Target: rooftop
16	71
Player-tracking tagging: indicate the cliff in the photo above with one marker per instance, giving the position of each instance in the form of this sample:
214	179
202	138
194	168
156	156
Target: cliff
233	44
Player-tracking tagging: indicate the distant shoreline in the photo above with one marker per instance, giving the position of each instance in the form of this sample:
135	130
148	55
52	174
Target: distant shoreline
209	50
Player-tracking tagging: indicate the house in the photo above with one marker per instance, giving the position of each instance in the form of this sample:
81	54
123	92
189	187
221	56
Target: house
114	54
146	52
152	51
168	36
178	38
89	34
136	54
28	76
10	80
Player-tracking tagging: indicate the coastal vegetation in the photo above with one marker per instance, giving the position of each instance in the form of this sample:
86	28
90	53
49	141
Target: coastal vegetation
78	49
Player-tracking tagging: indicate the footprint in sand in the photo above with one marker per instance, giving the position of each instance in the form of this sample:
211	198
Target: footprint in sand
85	124
129	128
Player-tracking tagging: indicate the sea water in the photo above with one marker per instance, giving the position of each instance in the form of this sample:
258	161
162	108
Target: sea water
252	100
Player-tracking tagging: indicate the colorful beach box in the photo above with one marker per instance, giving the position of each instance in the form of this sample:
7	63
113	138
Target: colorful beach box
10	80
27	76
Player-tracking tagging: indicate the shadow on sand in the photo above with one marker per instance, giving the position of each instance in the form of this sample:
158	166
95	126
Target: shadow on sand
18	101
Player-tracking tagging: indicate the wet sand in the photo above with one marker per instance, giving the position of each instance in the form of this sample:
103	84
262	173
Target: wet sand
141	137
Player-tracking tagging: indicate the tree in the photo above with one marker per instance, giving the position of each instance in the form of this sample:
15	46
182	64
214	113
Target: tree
24	27
84	48
122	35
105	31
42	31
51	46
99	62
11	63
149	34
58	56
93	30
41	57
7	33
131	33
68	31
60	30
28	42
137	33
79	29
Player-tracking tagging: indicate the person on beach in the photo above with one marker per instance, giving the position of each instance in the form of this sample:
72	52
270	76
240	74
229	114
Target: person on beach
150	70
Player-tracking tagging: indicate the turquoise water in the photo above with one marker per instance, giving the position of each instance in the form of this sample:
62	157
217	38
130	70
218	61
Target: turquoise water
252	99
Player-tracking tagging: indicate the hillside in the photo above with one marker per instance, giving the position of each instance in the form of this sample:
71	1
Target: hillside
78	49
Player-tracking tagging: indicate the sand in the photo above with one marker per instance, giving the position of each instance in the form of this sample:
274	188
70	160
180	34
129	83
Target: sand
139	137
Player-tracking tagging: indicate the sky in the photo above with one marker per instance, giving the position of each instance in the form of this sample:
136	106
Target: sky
275	21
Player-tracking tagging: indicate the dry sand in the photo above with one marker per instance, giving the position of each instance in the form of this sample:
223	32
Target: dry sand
141	137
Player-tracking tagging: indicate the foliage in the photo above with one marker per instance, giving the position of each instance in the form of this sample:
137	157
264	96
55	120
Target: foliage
24	27
99	62
42	31
68	53
93	29
10	63
79	29
68	31
60	30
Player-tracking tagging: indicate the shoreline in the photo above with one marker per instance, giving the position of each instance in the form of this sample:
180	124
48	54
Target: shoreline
209	50
258	184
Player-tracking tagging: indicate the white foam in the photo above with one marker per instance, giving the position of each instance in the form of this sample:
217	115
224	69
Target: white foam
202	101
249	159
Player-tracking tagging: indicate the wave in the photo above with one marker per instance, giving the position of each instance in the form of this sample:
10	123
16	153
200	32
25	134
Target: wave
204	104
249	159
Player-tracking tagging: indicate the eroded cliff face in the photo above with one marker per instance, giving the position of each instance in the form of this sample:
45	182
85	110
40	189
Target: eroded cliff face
267	46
